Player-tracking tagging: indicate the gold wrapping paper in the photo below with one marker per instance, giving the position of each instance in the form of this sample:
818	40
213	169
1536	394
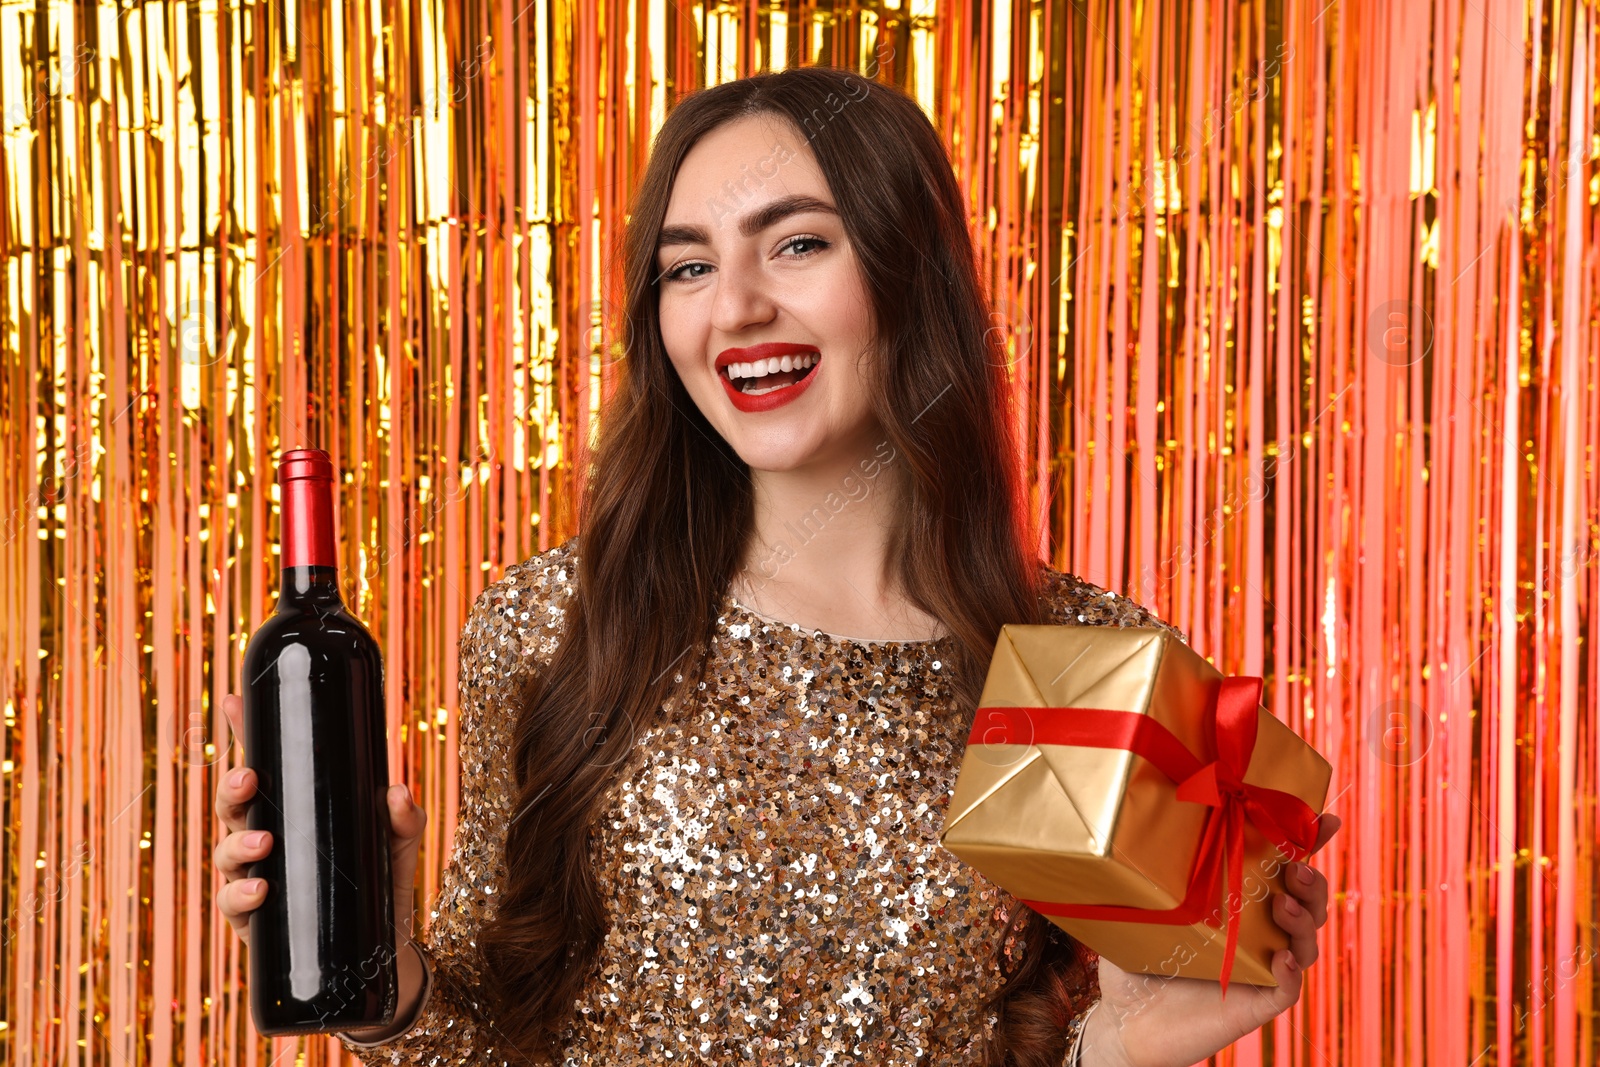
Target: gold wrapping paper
1080	825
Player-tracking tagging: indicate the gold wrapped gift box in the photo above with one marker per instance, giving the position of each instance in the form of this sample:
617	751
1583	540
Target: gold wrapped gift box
1052	805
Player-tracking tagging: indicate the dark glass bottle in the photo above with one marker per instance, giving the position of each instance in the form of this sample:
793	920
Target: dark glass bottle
322	949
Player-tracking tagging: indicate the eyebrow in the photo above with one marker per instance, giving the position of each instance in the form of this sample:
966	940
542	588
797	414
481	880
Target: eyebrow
750	224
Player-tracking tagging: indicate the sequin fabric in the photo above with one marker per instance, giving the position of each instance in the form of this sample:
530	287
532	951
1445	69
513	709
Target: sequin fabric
776	889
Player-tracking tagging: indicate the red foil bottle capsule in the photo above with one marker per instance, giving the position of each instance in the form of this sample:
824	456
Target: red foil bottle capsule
305	484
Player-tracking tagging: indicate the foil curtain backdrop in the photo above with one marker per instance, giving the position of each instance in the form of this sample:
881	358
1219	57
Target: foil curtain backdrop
1302	302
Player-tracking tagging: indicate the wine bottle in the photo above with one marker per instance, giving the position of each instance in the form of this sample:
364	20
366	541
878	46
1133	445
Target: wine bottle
322	948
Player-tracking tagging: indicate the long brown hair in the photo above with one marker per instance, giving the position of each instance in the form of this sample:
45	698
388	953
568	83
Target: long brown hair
668	511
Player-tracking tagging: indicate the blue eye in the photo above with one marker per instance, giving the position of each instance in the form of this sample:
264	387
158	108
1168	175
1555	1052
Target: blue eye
676	273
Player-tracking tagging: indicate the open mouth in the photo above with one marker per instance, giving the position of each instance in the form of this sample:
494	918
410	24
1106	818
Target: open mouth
769	375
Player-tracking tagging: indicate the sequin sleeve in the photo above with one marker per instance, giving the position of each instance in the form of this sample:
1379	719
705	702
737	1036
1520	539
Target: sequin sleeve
514	625
1070	599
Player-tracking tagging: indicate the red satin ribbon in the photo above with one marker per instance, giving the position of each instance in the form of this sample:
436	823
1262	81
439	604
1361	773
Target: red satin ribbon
1230	725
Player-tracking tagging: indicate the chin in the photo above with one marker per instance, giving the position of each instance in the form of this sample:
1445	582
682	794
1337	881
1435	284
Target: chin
776	461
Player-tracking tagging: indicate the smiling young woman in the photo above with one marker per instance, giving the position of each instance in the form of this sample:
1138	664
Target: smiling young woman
707	745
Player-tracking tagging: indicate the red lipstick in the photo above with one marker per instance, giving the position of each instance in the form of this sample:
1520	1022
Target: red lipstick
778	397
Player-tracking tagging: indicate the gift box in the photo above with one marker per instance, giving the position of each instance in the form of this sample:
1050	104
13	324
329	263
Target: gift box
1117	783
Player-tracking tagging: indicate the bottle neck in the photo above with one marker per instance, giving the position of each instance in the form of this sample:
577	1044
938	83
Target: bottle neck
310	566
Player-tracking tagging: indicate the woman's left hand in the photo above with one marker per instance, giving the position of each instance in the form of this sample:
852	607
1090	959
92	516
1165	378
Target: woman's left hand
1147	1020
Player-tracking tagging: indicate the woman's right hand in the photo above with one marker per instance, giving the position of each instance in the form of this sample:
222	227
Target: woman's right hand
239	896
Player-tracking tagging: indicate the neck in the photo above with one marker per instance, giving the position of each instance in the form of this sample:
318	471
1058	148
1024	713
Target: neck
827	529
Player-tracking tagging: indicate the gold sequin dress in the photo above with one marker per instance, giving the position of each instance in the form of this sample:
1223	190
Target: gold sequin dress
776	888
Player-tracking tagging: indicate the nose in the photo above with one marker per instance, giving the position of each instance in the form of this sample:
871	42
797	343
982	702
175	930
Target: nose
741	300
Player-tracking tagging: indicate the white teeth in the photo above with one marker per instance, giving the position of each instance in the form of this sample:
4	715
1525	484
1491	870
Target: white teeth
762	367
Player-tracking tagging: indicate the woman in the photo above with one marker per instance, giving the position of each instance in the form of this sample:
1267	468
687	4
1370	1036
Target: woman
707	745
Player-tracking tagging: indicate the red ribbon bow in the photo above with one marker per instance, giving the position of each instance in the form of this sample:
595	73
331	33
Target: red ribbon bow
1230	725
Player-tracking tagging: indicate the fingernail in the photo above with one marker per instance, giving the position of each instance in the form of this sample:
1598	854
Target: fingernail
1292	906
254	840
1293	964
1304	874
409	798
252	886
236	779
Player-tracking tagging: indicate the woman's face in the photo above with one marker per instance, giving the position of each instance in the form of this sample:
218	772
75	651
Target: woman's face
752	253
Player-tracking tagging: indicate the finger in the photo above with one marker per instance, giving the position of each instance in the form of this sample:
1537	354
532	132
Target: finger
1310	886
236	851
1290	973
233	708
1299	924
234	793
237	786
1252	1007
406	823
1327	825
237	900
406	818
